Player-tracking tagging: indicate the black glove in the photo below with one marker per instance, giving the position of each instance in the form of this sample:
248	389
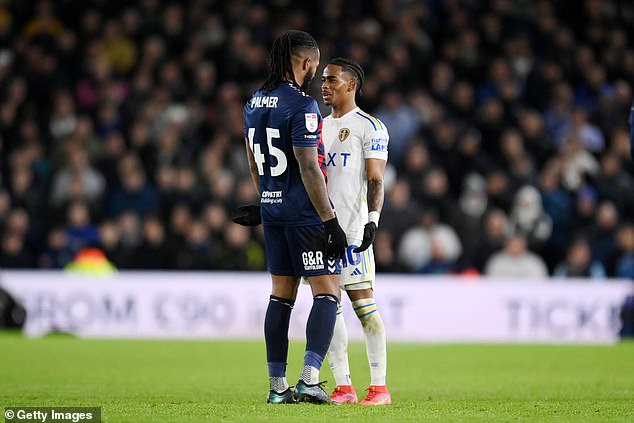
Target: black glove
369	233
249	216
336	242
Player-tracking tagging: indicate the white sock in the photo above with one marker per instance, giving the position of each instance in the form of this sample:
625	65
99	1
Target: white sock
310	375
375	342
278	384
338	351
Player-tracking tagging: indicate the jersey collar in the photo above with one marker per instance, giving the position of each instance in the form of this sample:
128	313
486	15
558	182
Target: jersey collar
356	109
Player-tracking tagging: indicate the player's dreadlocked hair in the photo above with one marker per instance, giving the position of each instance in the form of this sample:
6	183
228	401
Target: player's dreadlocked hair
282	51
351	67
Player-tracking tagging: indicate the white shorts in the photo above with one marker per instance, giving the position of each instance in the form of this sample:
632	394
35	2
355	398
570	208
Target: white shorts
357	271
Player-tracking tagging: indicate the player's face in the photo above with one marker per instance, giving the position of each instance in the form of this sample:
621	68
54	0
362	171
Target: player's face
307	78
312	71
336	85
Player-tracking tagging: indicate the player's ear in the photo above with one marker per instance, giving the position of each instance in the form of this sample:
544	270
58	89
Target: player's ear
306	64
352	85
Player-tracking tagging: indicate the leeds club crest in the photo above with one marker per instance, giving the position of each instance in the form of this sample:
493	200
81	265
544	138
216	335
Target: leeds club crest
343	134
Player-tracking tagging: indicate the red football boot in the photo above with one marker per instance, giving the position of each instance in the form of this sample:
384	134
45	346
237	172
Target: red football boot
377	395
344	394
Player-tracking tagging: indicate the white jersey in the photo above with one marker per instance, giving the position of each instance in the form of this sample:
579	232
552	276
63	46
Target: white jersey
348	141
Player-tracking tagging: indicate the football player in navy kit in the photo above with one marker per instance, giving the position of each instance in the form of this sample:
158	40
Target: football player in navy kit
282	126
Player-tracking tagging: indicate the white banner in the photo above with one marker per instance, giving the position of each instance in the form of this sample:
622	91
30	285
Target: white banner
232	305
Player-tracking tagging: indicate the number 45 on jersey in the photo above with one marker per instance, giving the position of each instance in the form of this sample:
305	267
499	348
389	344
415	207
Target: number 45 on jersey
260	159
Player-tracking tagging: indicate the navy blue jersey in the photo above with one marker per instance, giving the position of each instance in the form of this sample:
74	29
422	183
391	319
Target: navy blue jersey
274	122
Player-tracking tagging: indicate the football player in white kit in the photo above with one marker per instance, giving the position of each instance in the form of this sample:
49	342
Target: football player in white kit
356	156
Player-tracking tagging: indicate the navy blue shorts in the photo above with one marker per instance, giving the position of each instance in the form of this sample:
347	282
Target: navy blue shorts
298	251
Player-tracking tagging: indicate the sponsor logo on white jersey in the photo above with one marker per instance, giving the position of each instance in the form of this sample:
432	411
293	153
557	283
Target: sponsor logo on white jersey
379	143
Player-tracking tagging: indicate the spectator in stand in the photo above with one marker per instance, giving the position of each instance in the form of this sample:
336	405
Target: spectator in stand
180	218
558	116
590	135
84	138
603	236
110	243
442	146
531	124
490	120
187	190
415	165
578	165
579	263
31	153
238	252
77	180
57	253
80	231
445	249
135	193
28	194
402	121
492	238
14	254
114	150
614	184
385	256
155	252
214	215
19	223
63	120
625	262
583	220
516	261
436	193
631	122
499	192
400	211
620	146
470	158
415	249
468	218
529	219
5	208
512	153
199	252
558	206
130	237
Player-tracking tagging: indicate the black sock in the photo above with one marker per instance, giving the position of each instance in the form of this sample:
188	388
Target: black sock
278	315
319	328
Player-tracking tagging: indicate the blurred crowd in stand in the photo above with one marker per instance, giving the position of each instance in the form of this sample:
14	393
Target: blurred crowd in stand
121	128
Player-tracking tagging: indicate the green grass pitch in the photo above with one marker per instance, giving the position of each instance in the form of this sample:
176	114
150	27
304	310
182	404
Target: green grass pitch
196	381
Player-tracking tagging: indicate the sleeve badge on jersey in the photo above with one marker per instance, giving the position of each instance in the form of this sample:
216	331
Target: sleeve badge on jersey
379	143
343	134
311	121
